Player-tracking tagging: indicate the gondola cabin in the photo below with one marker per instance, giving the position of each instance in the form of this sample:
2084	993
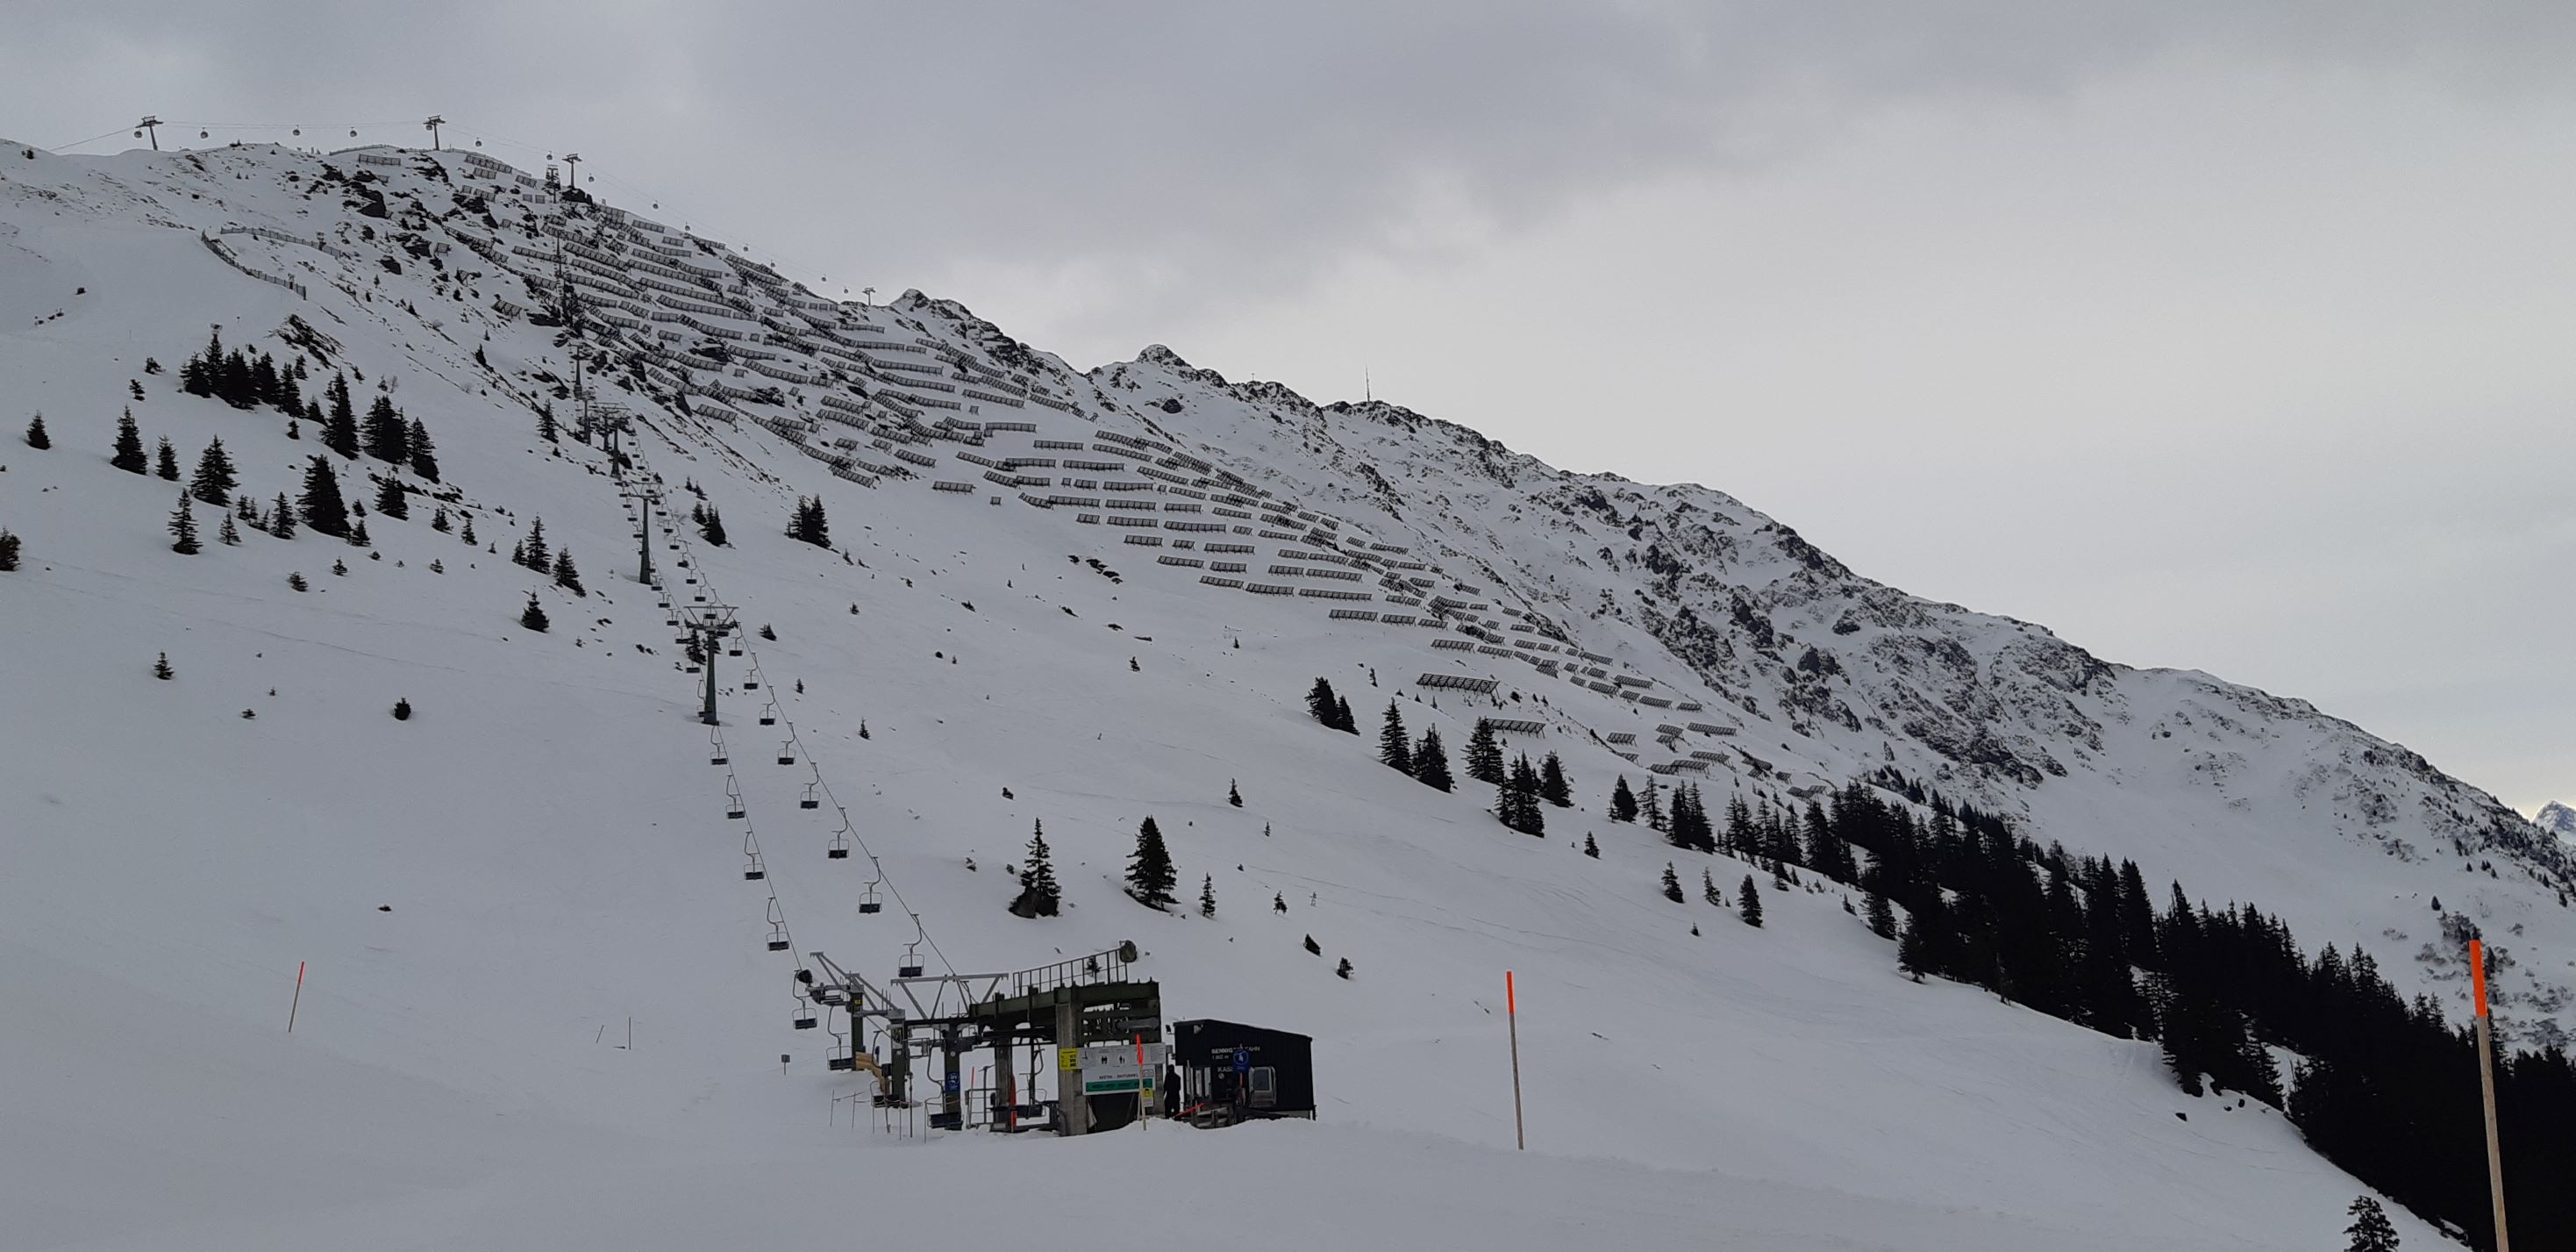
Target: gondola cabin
1231	1072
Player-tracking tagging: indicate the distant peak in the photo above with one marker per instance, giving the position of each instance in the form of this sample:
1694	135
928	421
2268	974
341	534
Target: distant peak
2558	819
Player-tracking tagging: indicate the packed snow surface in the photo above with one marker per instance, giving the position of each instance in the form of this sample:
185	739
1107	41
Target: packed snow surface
486	898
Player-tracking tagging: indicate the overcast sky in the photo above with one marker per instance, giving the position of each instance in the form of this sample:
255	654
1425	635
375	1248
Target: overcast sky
2217	335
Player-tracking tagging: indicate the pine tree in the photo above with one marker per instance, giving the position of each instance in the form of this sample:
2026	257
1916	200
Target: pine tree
1882	917
1319	702
534	617
1708	889
1590	848
340	428
281	517
322	508
388	433
546	428
165	461
566	575
161	668
391	499
532	550
358	537
214	481
1233	794
1207	896
183	527
424	455
711	528
1623	802
2370	1229
1039	895
9	546
1672	884
1342	719
1394	750
1750	902
402	709
296	581
1149	871
1485	754
36	436
1552	786
230	536
1653	808
467	534
438	520
810	525
1431	761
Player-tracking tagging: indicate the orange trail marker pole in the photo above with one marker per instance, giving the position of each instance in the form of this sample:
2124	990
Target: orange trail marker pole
298	1001
1512	1016
2486	1085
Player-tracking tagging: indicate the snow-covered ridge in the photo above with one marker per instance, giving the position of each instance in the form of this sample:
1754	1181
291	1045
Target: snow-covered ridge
1103	591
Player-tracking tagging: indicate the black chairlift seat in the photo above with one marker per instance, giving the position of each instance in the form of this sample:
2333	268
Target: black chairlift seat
805	1022
837	854
777	945
871	906
907	971
840	1062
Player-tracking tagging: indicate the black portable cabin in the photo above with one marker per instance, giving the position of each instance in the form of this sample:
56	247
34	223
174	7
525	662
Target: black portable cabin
1231	1072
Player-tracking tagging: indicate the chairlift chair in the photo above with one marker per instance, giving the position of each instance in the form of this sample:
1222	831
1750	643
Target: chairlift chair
911	964
810	800
787	752
769	715
733	797
717	741
868	901
778	940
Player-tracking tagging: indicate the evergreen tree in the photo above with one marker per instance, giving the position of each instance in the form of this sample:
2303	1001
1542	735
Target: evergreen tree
161	668
9	546
296	581
1672	884
263	381
1320	703
711	528
2370	1230
1233	794
1342	719
340	427
1149	870
567	576
1039	896
810	525
1590	848
1882	916
438	520
402	708
1431	761
1653	808
387	432
467	534
546	427
1343	969
183	527
36	436
391	499
165	461
1207	896
424	455
1623	802
1708	889
281	517
358	535
321	506
1749	902
1394	750
230	536
532	550
1485	754
1552	786
534	616
214	481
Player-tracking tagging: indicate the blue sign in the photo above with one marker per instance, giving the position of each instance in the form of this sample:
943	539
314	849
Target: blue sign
949	1084
1243	1060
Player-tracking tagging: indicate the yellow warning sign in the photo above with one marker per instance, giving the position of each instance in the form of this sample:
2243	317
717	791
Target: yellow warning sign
1068	1058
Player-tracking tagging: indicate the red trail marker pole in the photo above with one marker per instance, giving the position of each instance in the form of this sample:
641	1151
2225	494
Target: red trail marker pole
1512	1016
298	1001
2486	1085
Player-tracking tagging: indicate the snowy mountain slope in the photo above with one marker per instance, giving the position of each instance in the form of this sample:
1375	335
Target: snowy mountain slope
490	890
2557	819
